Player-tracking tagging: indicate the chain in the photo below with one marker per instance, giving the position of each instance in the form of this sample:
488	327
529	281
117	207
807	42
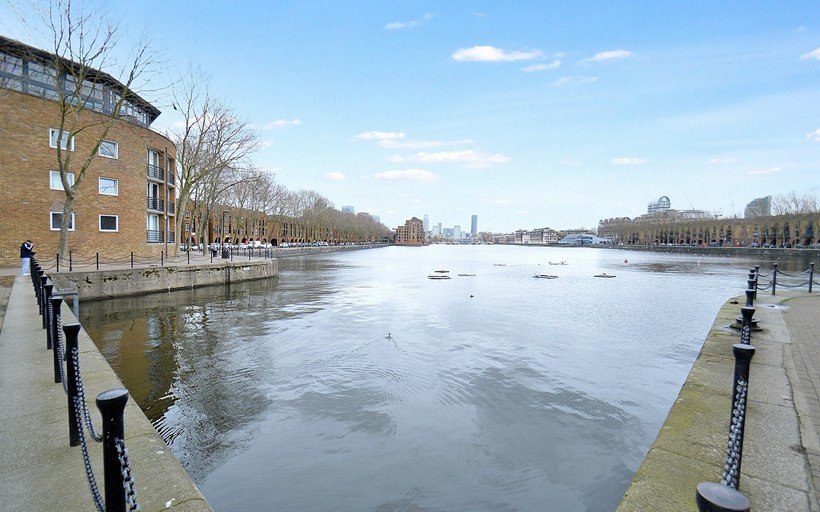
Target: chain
58	346
730	471
127	477
89	471
95	436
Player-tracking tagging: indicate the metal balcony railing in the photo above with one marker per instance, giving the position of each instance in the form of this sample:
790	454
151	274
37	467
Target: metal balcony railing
156	204
155	236
155	172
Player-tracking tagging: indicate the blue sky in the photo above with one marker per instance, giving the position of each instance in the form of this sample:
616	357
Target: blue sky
525	113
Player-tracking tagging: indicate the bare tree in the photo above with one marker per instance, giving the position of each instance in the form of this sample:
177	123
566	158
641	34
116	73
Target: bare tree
213	144
82	45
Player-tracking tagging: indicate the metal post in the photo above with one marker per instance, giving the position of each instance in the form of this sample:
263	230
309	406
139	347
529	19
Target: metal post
750	298
71	349
188	252
714	497
811	275
112	405
70	261
46	295
38	289
58	262
737	422
161	259
132	259
774	278
98	261
746	329
56	304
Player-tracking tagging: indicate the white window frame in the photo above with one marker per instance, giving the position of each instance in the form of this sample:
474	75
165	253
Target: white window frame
52	139
116	219
51	219
56	183
116	147
116	186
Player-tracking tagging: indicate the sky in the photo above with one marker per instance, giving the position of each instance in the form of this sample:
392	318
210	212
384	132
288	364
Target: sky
528	114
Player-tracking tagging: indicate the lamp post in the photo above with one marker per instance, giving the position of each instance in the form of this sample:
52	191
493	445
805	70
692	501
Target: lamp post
222	244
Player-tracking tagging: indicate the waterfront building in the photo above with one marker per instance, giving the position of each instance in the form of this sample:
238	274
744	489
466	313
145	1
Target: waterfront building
760	207
474	224
347	209
583	239
126	201
411	233
426	224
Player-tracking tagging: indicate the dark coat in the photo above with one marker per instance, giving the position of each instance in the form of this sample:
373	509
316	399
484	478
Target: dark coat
25	250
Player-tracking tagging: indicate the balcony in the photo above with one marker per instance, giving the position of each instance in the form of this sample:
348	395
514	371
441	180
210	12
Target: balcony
154	236
156	173
155	204
171	208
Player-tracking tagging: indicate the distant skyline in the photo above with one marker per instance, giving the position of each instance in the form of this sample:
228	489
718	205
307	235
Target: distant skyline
527	114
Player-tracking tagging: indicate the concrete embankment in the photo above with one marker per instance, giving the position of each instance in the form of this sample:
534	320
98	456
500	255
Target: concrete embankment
106	283
691	446
38	469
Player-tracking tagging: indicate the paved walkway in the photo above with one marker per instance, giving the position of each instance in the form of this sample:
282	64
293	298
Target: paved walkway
38	469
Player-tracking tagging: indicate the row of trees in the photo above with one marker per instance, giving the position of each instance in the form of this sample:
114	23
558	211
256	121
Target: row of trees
214	146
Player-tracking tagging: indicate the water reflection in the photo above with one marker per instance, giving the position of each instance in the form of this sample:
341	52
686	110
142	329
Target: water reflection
494	392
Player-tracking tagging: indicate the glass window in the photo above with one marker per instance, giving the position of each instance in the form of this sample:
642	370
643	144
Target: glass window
109	187
54	181
57	218
65	143
109	149
109	223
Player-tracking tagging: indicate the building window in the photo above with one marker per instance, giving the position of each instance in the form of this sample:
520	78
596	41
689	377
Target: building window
57	218
109	223
109	149
109	187
55	183
66	142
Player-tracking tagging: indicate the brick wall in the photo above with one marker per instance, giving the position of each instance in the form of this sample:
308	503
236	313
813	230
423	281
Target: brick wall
26	199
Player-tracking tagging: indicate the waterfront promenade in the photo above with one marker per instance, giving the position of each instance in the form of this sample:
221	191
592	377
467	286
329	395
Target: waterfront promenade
781	463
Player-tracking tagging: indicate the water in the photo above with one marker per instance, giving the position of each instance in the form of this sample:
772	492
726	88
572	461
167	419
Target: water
354	383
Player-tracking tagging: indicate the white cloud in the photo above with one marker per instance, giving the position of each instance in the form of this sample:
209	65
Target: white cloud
764	172
542	67
469	158
564	80
396	159
612	54
628	161
421	144
408	175
724	160
396	25
502	202
492	54
571	162
815	135
375	135
335	176
815	54
280	123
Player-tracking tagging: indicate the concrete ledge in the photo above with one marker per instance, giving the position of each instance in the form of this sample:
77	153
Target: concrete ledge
691	445
102	284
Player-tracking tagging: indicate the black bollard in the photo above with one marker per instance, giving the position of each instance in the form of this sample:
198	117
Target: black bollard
750	297
71	349
41	281
737	422
774	278
112	405
746	325
46	302
54	329
713	497
811	275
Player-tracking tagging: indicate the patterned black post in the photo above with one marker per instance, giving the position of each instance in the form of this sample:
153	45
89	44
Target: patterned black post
750	298
41	282
774	278
71	349
737	423
112	405
746	325
56	306
46	297
757	278
713	497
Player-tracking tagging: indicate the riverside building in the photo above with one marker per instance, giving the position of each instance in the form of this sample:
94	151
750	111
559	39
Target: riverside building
126	201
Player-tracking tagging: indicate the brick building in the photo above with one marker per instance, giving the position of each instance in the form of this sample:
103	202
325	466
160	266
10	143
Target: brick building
412	233
126	201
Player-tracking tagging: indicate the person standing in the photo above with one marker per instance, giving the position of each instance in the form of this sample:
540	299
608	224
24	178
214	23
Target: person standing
26	252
